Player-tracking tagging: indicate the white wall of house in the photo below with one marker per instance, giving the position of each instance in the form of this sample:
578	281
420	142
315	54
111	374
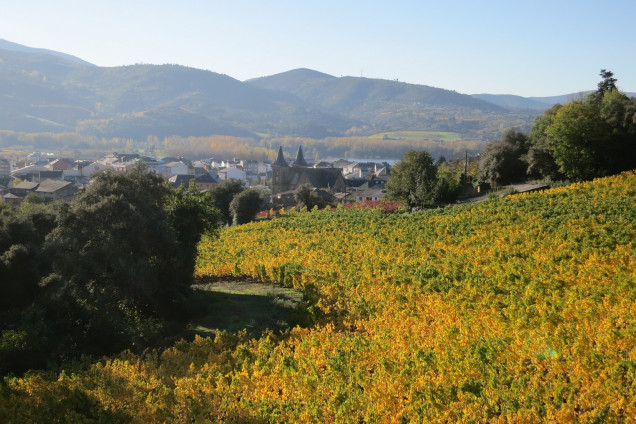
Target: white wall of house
232	173
70	173
28	169
92	168
176	168
372	195
5	167
160	169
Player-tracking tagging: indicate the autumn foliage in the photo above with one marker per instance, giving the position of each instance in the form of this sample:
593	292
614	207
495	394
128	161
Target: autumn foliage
512	310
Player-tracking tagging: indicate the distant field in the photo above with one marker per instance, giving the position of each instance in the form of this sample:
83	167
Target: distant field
9	153
418	135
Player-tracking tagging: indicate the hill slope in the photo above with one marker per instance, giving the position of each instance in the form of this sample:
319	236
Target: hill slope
532	103
513	310
513	102
9	46
355	94
517	308
387	105
45	92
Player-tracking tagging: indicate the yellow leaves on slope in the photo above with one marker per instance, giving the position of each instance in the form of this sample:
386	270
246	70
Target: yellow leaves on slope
518	310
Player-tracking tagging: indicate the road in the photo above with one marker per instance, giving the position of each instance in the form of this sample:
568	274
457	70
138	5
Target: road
519	188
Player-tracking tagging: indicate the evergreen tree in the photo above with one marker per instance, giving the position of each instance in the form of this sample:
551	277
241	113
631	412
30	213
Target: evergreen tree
305	196
245	205
223	194
106	274
503	160
608	83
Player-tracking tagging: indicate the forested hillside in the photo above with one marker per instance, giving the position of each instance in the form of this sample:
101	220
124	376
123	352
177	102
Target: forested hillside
385	105
512	310
45	92
51	93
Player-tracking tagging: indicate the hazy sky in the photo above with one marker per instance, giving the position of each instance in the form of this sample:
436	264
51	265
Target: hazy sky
528	48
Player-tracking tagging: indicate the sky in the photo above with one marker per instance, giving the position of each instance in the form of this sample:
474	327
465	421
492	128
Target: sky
526	48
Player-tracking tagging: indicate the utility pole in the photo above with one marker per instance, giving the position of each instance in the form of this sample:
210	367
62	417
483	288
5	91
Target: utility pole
466	167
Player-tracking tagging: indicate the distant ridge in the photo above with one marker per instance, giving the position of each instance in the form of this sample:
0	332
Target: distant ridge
347	93
46	91
10	46
513	102
533	103
293	77
385	105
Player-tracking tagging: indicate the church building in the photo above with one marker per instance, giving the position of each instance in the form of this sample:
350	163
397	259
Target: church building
287	177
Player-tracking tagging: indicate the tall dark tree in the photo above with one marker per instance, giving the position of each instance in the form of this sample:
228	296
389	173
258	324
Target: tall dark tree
245	205
540	161
100	274
503	160
305	196
122	258
595	136
608	83
223	194
118	257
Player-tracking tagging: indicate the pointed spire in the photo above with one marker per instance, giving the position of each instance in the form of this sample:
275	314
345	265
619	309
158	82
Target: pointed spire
300	159
280	159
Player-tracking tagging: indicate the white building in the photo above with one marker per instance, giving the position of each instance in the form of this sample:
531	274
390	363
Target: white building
90	169
232	173
5	167
176	168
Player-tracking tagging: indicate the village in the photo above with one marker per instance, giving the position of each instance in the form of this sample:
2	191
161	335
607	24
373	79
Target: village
61	178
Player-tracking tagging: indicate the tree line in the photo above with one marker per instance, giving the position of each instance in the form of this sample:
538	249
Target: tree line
109	271
591	137
223	146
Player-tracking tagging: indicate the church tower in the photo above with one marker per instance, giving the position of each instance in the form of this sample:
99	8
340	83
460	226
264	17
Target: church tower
300	158
280	159
281	173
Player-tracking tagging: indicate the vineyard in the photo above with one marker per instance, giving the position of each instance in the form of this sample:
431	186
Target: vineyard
518	309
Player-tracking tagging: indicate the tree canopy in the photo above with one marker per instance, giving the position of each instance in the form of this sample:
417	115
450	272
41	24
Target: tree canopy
587	138
223	194
414	181
245	205
503	161
608	83
100	274
305	196
539	158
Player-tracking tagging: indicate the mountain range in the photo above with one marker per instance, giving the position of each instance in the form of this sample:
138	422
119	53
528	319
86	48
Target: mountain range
47	91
